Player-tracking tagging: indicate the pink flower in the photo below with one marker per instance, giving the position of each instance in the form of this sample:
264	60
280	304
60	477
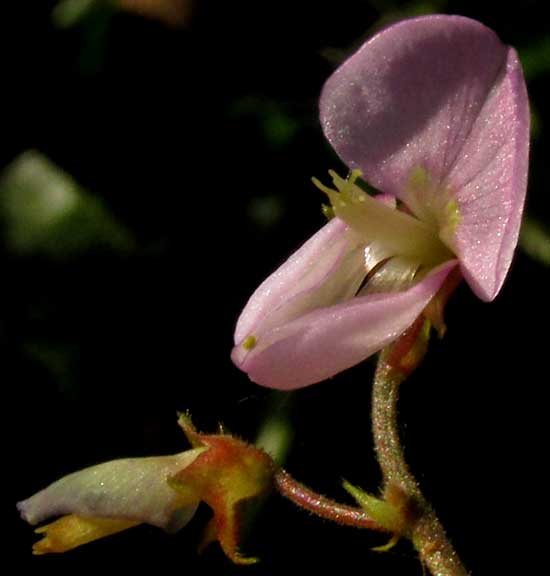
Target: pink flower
433	112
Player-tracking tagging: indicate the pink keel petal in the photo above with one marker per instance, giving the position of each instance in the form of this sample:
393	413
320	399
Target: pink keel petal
490	180
409	98
327	341
302	282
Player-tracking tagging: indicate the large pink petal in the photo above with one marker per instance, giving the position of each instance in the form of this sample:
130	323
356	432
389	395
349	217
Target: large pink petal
490	180
328	268
410	97
326	341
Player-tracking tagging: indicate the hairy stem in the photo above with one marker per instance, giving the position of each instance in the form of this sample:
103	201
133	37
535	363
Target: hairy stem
385	429
425	530
322	506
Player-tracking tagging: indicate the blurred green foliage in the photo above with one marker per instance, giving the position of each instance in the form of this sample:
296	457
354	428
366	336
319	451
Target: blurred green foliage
535	58
535	240
44	211
67	13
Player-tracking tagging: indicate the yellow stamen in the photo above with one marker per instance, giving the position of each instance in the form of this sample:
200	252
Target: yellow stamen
399	233
434	204
419	180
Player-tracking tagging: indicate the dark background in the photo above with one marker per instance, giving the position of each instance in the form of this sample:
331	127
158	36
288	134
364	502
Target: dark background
201	141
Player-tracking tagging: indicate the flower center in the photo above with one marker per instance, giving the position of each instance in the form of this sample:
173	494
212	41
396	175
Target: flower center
391	234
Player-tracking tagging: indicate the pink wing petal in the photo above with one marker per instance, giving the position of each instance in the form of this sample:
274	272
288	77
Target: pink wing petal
326	341
328	268
409	98
490	179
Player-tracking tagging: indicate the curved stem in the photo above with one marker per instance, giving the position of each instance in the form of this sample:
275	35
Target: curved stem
387	444
322	506
425	530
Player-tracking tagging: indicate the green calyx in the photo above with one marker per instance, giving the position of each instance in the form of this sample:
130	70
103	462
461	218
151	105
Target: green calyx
396	511
381	511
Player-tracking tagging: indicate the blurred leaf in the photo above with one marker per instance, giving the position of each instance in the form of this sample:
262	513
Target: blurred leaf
277	125
59	359
392	10
171	12
535	58
67	13
94	20
279	128
535	240
45	211
266	211
420	8
276	433
175	13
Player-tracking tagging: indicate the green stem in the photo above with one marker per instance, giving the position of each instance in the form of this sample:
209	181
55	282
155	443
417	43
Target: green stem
424	528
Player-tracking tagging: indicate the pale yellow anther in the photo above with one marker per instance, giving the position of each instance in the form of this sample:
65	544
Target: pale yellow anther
249	342
452	214
433	203
420	179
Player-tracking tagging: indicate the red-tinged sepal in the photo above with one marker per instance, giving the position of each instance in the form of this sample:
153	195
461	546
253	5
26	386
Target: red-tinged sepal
404	355
227	474
434	311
